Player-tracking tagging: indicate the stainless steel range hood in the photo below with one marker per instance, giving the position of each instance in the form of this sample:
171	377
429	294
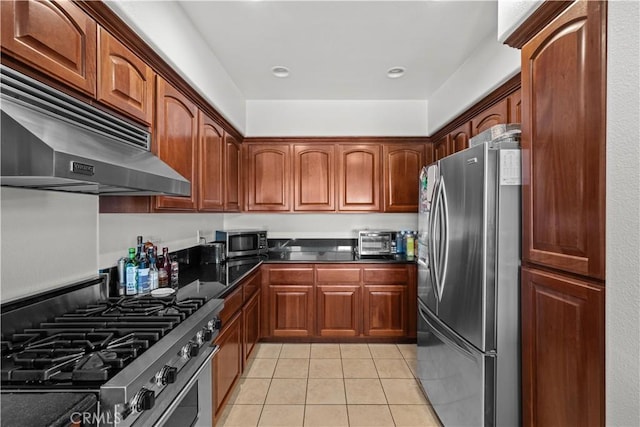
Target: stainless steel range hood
51	141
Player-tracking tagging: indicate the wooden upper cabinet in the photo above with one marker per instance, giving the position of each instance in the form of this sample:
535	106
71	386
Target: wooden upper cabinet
515	107
494	115
402	164
233	181
314	177
269	177
460	137
563	142
428	153
359	177
562	351
210	165
57	38
125	82
441	148
176	142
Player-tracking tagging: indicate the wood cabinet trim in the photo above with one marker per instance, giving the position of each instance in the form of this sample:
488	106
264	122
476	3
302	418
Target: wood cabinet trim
108	19
540	18
504	90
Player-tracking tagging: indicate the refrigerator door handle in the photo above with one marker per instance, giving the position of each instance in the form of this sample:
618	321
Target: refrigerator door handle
432	245
444	229
451	341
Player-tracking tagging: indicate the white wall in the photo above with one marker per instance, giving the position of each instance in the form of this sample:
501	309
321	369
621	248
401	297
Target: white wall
512	13
336	118
330	225
623	215
48	240
176	231
166	28
491	65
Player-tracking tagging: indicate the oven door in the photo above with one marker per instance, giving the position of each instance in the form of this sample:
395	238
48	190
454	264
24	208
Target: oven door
193	405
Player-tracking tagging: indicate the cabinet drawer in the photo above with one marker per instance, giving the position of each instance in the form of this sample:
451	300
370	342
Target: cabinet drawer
291	275
338	275
232	304
386	275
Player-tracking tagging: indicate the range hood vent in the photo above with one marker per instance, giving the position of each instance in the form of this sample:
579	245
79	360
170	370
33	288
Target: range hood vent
51	141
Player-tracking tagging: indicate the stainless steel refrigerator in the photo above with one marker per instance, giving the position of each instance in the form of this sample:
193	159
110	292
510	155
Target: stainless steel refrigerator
468	285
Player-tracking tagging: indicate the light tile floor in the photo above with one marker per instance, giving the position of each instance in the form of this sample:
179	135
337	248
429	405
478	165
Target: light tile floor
327	385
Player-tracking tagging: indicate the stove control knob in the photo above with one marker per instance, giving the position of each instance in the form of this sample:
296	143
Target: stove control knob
189	350
167	375
207	334
214	324
200	337
143	400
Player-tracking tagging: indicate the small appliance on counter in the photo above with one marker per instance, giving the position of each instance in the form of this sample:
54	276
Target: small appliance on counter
213	253
242	243
375	243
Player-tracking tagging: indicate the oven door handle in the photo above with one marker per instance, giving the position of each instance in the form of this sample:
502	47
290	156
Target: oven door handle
186	388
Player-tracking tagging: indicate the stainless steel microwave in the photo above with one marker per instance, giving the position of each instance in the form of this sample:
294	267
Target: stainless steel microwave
241	243
375	242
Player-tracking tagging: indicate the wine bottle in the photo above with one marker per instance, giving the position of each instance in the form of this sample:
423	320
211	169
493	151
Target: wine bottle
131	272
164	269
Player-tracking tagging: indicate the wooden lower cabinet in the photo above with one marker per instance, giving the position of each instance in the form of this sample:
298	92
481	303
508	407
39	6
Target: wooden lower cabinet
251	325
562	350
291	311
385	310
338	302
338	310
227	364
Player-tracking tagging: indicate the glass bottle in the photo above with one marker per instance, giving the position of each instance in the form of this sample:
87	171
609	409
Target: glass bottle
164	270
153	270
131	273
143	274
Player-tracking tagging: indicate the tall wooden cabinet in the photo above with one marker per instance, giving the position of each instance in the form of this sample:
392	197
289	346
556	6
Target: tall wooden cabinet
314	177
232	175
211	165
563	207
359	177
402	164
176	142
268	177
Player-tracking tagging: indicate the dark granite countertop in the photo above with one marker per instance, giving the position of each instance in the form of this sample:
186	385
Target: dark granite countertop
46	409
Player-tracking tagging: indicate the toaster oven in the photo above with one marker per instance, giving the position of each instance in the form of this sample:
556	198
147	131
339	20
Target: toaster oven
374	242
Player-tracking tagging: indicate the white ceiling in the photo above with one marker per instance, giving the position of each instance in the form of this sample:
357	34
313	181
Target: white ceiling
342	49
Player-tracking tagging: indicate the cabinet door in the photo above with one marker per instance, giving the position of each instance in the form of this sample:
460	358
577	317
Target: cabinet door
385	310
291	311
233	181
460	137
441	148
269	177
402	164
562	351
338	310
314	178
494	115
359	177
125	82
57	38
227	364
515	107
251	325
429	155
211	169
176	142
563	142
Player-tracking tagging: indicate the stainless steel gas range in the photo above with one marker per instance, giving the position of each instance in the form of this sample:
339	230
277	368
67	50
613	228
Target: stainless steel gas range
146	359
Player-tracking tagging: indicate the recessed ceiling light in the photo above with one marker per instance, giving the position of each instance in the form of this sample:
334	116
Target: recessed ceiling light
280	71
395	72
